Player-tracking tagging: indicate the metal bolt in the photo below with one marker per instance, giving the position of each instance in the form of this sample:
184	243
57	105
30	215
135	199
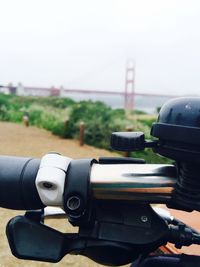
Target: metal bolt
73	203
144	218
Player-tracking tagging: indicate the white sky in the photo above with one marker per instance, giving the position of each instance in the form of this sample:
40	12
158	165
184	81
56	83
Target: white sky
85	44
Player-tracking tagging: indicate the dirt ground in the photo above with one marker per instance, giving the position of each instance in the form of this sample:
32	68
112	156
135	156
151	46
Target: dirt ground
18	140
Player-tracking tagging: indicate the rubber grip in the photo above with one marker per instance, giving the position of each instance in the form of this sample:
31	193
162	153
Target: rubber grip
17	183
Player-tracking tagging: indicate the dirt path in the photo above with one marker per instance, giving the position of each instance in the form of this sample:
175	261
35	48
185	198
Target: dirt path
20	141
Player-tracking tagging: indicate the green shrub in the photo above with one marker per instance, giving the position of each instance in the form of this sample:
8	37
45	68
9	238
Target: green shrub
147	122
150	157
100	121
4	107
35	117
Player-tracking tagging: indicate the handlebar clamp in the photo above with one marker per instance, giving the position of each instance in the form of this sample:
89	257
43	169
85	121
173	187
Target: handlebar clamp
77	192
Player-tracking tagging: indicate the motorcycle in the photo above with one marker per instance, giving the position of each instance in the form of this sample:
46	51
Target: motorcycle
110	199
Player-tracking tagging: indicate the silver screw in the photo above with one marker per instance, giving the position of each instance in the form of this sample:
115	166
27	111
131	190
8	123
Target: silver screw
144	218
73	203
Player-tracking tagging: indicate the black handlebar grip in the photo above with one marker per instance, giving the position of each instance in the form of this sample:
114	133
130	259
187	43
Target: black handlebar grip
17	183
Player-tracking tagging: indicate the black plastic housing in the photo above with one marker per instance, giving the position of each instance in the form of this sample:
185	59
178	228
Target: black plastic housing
178	133
178	129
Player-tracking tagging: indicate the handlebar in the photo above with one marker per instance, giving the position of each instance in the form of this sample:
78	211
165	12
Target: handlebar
108	200
152	183
17	183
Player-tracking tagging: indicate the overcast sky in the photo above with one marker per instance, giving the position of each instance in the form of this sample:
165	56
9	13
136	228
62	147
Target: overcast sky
85	44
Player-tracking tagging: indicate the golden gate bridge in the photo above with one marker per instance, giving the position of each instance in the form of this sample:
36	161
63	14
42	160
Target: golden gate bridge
128	95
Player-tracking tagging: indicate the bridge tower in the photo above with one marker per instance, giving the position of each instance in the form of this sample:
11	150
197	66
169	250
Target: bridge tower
129	94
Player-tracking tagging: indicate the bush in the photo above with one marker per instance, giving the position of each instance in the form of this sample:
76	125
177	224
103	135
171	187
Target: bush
150	157
147	122
4	107
100	121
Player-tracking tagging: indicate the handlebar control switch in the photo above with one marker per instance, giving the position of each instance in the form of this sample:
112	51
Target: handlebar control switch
128	141
77	194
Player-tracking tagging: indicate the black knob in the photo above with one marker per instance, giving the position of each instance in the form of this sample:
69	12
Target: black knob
127	141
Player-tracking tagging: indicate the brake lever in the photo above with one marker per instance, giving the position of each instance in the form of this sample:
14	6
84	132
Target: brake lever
44	243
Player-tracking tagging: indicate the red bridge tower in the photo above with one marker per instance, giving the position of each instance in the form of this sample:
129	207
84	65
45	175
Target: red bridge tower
129	86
